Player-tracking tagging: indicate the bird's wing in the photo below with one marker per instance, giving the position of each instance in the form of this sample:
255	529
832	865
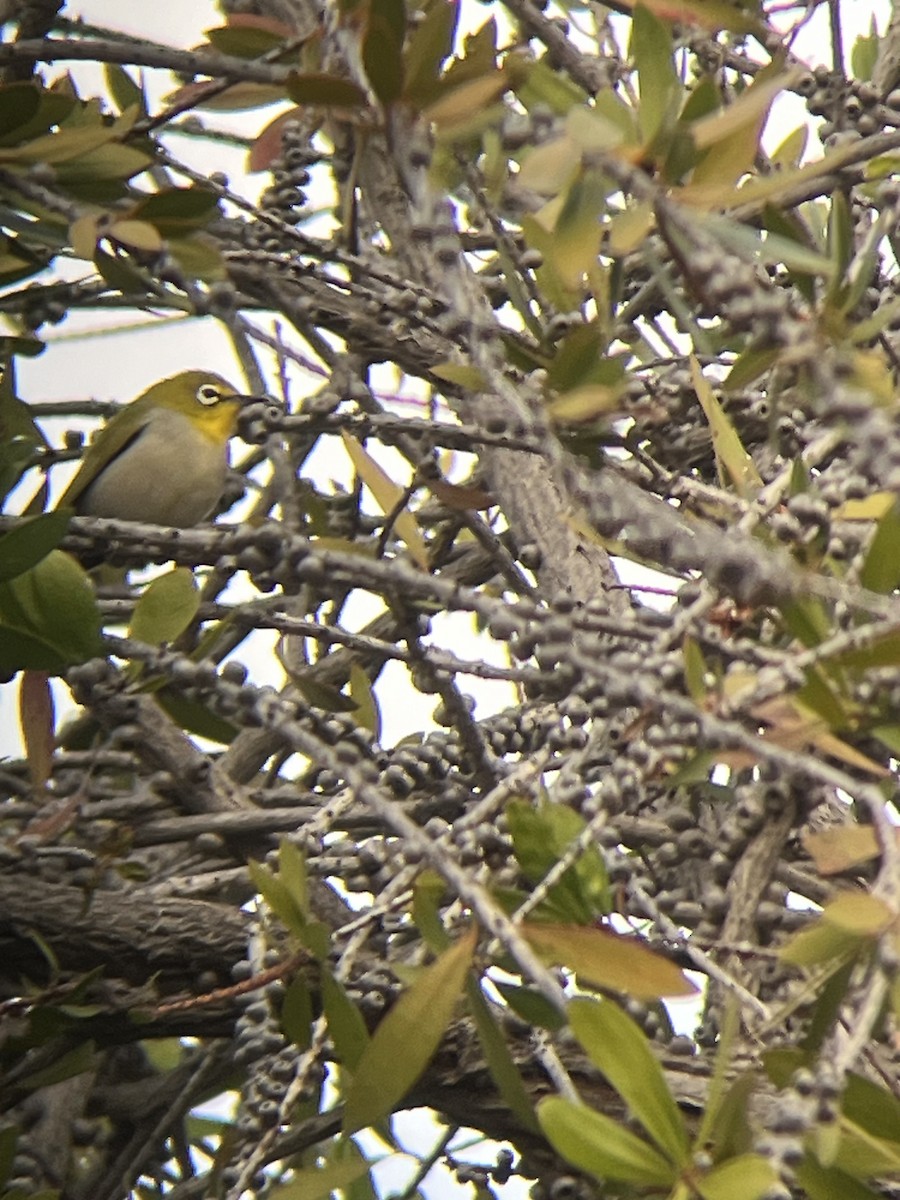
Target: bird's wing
113	440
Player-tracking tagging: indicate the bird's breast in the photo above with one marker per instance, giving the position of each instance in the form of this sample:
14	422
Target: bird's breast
171	474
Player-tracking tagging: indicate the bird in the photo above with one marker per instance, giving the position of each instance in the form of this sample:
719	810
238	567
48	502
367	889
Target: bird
163	458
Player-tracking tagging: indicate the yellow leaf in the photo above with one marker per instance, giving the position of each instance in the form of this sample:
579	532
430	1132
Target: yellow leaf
463	102
550	167
789	153
609	960
387	496
838	849
462	374
629	228
761	190
733	459
870	371
584	403
83	236
859	913
867	508
137	235
835	747
750	107
591	130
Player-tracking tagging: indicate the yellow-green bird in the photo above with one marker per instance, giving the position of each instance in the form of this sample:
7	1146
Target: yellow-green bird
163	458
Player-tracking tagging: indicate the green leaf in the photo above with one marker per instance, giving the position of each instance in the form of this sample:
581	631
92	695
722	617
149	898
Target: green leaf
872	1107
774	249
178	211
864	264
407	1037
430	43
578	232
198	257
660	87
576	357
316	938
125	92
194	716
106	165
346	1026
75	1062
321	695
694	670
542	85
601	1146
616	1045
533	849
9	1135
49	618
315	1183
829	1183
19	434
278	896
244	41
297	1012
382	49
327	90
22	119
25	546
59	146
366	713
820	944
609	960
857	1152
729	1128
859	913
781	1063
500	1062
790	151
530	1005
881	569
120	272
239	97
749	365
806	618
428	891
292	870
392	13
19	104
829	998
747	1177
166	608
864	53
477	56
840	242
540	838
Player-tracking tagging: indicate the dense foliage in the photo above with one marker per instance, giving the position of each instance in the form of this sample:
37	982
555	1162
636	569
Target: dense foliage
563	303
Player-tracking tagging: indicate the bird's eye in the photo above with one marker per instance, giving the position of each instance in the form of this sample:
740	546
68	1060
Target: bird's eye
208	393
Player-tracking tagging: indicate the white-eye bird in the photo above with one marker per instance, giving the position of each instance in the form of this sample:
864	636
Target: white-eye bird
164	457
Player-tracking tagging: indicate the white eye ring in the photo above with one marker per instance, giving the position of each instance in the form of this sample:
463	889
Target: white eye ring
208	393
